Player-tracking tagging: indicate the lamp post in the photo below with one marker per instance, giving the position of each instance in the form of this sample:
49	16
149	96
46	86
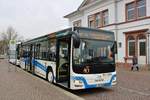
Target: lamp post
148	48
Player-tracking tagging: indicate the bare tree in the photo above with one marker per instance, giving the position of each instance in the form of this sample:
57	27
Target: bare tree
10	34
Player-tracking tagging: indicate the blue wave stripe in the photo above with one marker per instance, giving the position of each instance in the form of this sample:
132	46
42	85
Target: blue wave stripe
35	63
39	65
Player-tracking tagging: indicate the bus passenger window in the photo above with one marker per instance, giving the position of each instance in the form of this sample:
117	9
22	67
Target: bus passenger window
52	51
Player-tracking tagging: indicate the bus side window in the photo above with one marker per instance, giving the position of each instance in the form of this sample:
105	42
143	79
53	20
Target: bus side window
43	50
52	50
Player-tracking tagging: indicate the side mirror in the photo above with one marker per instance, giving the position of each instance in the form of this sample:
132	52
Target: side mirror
114	48
76	39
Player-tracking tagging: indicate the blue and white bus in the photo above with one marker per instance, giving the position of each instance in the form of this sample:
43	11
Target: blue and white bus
13	54
12	51
76	58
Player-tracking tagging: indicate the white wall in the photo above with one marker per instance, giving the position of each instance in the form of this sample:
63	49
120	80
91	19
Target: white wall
76	18
138	25
92	10
148	7
120	11
101	7
110	5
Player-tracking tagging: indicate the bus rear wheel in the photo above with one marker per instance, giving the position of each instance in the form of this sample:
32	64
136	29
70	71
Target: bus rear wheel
50	77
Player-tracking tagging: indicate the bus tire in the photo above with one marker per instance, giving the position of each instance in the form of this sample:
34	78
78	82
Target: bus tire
50	76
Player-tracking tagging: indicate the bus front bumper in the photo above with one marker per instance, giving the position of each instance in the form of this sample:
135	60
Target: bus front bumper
80	82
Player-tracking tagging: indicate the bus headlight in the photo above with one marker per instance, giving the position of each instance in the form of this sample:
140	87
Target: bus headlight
78	82
114	82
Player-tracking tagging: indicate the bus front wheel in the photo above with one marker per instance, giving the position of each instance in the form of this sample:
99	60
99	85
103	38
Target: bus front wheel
50	77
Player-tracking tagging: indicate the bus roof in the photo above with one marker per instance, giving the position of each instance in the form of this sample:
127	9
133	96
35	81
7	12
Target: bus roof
66	32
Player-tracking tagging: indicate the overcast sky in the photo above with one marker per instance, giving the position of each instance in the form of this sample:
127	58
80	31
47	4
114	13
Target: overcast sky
32	18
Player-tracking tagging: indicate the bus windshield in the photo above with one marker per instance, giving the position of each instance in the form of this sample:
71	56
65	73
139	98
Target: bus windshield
94	53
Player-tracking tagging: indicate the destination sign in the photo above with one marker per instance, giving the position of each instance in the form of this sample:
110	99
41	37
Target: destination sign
96	35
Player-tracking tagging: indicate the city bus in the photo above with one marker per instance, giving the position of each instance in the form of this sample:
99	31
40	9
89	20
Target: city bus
75	58
18	46
14	52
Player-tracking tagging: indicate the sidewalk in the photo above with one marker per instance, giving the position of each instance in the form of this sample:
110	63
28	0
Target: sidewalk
20	85
127	67
136	80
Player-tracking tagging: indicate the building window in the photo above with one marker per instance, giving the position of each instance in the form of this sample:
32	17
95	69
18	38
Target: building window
91	21
135	10
131	11
105	17
131	46
77	23
141	8
97	20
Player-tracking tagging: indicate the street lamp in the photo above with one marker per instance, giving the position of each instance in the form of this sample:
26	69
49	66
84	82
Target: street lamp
148	46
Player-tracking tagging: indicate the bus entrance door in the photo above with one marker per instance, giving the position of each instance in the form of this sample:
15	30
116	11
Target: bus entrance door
63	62
30	58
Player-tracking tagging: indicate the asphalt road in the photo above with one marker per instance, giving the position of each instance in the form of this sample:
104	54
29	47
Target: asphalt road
16	84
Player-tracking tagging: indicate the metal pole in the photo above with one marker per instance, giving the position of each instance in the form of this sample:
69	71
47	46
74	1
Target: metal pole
148	52
148	48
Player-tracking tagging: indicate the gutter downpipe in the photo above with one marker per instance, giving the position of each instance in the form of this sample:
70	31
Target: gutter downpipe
116	27
148	48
